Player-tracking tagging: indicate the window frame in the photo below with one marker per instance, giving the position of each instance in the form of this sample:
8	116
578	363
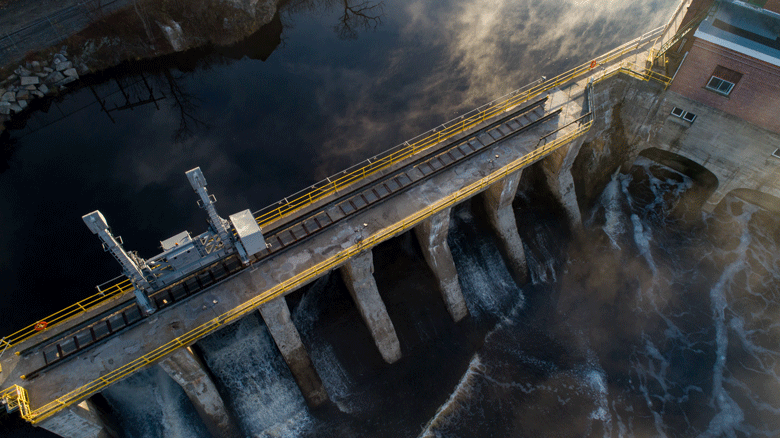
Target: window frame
717	89
776	153
683	114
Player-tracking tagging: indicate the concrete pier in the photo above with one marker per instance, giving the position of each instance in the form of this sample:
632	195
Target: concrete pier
557	170
432	235
77	421
189	372
276	315
498	205
358	274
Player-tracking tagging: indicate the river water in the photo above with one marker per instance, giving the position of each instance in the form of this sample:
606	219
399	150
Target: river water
647	325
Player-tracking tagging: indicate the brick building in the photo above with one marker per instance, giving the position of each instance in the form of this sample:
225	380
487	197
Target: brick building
732	61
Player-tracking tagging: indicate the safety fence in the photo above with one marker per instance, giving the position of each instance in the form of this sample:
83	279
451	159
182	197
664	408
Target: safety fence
65	314
53	28
465	122
16	396
355	174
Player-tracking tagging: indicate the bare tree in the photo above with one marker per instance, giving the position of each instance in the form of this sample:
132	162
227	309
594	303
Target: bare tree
360	16
186	103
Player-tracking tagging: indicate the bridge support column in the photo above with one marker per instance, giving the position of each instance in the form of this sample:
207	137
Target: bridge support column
77	421
432	235
557	168
190	373
498	205
276	315
358	274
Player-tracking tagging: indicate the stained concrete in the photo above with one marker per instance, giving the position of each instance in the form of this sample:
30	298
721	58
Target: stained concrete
432	235
77	421
189	372
498	206
358	274
276	315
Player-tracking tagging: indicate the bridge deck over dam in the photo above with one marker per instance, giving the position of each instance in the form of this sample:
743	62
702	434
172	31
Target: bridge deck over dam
67	363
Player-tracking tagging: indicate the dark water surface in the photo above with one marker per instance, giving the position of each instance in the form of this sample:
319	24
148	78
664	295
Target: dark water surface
646	326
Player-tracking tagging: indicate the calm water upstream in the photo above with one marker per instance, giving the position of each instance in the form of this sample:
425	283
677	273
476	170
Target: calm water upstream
647	327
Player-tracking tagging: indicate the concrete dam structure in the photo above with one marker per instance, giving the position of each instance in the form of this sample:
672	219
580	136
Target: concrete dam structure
617	105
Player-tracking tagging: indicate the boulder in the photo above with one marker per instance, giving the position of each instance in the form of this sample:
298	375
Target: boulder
5	108
22	95
63	66
30	88
36	65
22	104
48	69
54	77
8	96
71	72
59	57
30	80
15	107
43	88
21	71
42	74
37	93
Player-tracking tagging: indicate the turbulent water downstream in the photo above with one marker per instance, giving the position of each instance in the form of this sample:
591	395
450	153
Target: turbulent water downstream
646	325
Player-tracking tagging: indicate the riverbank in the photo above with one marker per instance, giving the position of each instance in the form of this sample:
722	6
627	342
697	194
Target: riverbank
142	29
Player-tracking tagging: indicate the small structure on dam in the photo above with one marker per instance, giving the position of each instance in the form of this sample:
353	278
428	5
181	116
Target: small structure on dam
580	127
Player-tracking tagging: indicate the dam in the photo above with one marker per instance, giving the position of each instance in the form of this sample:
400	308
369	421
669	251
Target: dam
335	224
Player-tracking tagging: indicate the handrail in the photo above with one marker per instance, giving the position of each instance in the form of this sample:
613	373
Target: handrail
65	314
234	314
16	396
354	174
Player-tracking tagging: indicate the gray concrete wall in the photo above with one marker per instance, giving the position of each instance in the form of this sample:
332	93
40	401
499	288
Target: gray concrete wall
276	315
188	371
432	235
77	421
358	275
498	206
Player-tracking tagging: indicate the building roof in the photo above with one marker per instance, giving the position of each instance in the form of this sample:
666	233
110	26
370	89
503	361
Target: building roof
745	29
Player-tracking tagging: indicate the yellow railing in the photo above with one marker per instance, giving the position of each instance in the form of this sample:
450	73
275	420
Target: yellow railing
333	184
371	166
15	398
64	315
334	261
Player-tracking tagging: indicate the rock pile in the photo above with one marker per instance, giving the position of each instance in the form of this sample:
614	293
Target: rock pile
35	79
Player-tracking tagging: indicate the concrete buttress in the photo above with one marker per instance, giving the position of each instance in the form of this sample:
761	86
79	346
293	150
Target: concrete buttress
432	235
77	421
358	274
190	373
498	206
557	170
276	315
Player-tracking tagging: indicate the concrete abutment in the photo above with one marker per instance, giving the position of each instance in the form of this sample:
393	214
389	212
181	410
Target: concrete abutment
498	206
358	275
186	369
432	235
276	315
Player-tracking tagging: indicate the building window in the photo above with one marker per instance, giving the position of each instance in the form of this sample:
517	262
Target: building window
723	80
776	153
720	85
685	115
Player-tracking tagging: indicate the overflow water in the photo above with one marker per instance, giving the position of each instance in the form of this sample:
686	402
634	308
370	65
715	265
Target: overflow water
648	325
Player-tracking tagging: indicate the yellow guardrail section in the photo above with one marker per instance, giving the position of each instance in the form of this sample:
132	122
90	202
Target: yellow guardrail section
65	314
15	397
75	396
337	182
356	173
